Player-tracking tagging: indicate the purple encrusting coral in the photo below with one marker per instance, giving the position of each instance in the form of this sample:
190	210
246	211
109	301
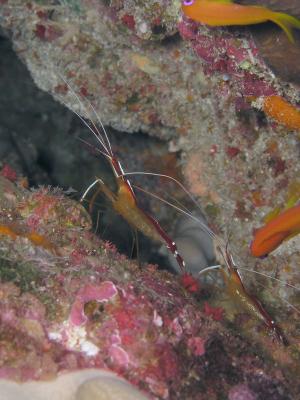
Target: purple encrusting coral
86	306
225	54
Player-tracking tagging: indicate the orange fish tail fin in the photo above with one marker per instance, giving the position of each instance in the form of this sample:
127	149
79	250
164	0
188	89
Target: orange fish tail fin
286	22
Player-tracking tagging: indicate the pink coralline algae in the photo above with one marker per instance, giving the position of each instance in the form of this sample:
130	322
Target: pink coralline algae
102	293
214	78
105	312
119	356
135	68
196	345
215	312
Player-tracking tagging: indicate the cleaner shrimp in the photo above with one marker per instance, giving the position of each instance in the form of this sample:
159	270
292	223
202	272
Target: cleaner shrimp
125	203
234	286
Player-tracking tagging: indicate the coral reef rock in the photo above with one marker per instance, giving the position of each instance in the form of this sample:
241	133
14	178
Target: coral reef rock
71	302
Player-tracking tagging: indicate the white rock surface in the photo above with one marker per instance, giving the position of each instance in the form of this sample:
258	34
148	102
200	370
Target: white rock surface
108	389
89	384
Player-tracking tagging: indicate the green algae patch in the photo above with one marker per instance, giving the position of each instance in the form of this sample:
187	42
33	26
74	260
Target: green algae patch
23	274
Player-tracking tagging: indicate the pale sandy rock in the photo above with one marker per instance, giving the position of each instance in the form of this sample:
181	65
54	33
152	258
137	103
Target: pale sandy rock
106	388
80	385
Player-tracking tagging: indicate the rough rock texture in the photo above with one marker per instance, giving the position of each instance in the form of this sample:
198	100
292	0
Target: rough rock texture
144	68
130	61
69	301
41	138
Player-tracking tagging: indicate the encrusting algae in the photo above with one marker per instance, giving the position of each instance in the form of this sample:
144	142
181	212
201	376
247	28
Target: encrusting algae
129	321
94	307
13	232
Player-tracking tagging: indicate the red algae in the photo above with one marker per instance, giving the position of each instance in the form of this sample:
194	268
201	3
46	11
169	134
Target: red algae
232	151
129	21
101	293
226	63
191	284
47	32
105	312
8	173
223	70
215	312
197	346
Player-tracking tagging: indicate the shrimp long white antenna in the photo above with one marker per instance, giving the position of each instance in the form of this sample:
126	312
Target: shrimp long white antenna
186	191
281	298
95	131
95	148
109	153
102	127
97	136
204	227
269	277
222	247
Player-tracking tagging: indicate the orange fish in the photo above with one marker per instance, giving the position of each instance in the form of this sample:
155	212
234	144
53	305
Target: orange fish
225	12
270	236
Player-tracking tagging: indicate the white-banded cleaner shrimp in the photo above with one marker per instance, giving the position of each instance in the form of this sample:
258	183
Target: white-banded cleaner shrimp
125	203
233	287
124	200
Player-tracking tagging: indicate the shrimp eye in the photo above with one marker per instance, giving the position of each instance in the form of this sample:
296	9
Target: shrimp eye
188	2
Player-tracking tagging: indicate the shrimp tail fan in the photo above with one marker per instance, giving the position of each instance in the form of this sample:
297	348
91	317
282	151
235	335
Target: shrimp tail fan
286	22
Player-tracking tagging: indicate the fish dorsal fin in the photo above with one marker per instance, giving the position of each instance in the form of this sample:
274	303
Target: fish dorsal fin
291	202
272	214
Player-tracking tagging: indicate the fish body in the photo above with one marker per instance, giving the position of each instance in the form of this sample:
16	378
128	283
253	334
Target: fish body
225	13
270	236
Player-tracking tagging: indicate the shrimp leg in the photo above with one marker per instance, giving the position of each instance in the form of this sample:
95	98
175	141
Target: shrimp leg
125	204
244	299
124	201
